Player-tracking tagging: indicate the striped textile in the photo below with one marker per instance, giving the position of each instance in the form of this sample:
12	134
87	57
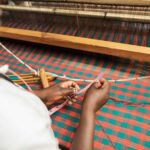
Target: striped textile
108	30
120	125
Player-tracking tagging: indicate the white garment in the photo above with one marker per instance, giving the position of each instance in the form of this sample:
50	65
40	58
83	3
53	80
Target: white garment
24	120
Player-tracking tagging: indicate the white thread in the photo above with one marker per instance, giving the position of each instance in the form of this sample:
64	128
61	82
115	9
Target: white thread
30	68
69	78
84	80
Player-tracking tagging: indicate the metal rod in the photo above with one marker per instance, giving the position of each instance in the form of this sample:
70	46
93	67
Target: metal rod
68	12
116	2
51	10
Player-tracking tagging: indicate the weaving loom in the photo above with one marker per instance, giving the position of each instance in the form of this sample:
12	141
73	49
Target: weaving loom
124	122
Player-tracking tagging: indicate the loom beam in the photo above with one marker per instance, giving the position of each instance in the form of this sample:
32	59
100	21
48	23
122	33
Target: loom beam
98	9
68	12
79	43
141	14
116	2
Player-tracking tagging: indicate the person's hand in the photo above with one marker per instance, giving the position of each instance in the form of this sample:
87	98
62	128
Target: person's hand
97	95
60	91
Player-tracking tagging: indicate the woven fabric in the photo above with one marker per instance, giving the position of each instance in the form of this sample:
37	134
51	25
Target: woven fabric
101	29
122	125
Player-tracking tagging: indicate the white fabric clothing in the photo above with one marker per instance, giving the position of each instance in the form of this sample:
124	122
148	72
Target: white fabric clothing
24	120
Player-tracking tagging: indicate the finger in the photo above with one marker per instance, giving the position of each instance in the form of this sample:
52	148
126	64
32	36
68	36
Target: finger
61	101
103	82
67	91
97	84
70	102
70	84
75	85
73	96
76	97
74	100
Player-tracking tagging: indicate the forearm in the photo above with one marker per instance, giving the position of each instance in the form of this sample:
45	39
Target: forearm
85	132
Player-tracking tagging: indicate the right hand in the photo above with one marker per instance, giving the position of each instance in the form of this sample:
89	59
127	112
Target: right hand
97	95
60	91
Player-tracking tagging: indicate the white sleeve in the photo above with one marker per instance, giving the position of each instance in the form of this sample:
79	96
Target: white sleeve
24	121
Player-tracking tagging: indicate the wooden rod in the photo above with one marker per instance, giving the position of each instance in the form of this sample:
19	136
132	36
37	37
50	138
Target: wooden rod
28	82
79	43
30	74
32	79
44	79
25	76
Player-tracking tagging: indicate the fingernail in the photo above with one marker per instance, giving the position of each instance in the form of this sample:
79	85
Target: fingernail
69	102
75	90
74	100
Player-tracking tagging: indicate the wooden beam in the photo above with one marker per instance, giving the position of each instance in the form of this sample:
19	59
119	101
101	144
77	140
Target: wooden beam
90	45
115	2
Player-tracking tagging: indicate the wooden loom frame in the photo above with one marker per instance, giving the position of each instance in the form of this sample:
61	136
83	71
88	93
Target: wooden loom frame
79	43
